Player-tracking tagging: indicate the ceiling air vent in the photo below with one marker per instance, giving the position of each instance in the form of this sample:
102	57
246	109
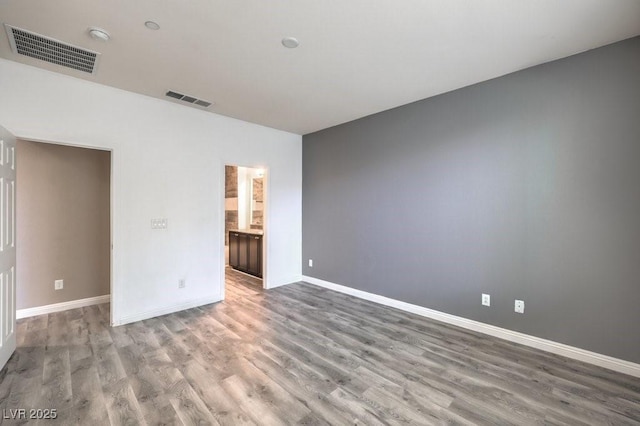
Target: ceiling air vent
188	99
50	50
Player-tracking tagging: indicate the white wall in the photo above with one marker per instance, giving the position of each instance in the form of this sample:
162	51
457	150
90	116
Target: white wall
168	161
243	193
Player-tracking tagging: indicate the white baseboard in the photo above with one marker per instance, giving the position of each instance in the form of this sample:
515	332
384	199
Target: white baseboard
283	281
127	319
594	358
64	306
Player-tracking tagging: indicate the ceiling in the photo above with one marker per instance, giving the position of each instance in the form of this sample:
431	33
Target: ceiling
355	58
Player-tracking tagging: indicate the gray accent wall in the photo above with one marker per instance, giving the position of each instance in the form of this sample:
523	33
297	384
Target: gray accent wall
524	187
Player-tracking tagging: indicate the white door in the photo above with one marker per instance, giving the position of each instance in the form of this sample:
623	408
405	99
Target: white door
7	245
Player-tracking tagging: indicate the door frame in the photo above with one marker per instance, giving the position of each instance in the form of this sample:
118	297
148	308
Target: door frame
265	220
113	297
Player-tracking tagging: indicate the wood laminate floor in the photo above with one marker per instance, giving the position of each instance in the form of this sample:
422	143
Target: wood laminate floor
297	355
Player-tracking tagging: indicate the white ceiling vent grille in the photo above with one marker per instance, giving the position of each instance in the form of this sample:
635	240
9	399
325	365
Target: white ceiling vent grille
50	50
188	99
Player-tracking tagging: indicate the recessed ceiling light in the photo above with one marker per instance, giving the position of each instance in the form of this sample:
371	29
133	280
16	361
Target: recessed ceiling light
290	42
152	25
99	34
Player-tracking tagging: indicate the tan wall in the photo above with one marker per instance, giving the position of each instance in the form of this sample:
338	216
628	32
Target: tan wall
63	223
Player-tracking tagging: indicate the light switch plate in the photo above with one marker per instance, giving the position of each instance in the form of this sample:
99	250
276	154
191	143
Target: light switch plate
519	306
58	284
160	223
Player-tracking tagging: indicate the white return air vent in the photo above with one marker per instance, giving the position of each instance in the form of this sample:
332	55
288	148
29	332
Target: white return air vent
188	99
51	50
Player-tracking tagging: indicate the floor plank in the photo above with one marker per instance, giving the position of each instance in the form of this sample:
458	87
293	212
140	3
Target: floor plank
297	354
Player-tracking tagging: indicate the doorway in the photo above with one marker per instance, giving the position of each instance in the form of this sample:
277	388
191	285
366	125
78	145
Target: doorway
244	229
64	227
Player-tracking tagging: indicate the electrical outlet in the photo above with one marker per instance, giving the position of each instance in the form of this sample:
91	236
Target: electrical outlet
182	283
58	284
519	306
310	263
486	300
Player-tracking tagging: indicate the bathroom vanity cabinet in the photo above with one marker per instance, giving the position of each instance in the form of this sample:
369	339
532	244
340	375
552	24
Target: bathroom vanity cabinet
245	251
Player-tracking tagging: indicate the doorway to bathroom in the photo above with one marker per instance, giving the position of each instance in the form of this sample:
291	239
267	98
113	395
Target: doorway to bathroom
244	217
